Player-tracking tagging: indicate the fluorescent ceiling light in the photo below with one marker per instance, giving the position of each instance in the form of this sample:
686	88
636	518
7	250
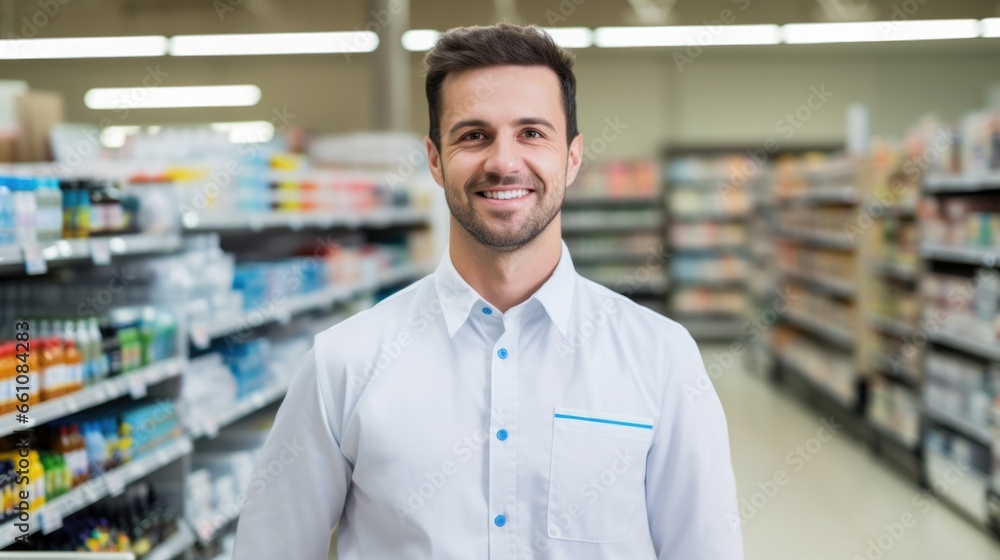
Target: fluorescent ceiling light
235	44
571	37
420	40
877	31
991	27
83	47
248	132
687	35
172	97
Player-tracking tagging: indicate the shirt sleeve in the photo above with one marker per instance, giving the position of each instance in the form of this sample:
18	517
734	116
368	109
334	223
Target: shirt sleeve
297	492
690	487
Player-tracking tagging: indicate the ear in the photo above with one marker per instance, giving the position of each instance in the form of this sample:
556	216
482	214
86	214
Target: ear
574	160
434	161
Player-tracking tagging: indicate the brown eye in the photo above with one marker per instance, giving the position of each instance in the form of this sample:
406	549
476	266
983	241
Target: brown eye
533	134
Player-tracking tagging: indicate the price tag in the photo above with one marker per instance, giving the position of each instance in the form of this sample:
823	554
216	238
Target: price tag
199	336
100	252
137	387
295	222
52	519
211	427
256	222
257	399
115	481
34	262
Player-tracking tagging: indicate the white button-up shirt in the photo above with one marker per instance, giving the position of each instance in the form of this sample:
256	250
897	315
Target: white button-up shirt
578	425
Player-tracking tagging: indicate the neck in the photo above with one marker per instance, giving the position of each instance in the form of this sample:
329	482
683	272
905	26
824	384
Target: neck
506	278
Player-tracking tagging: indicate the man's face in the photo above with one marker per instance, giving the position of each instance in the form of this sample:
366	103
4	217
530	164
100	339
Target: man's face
504	163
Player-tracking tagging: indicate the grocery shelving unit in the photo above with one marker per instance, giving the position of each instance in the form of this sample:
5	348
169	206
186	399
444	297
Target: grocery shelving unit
961	361
169	465
709	198
613	224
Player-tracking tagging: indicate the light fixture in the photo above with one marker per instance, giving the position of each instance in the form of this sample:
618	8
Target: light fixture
83	47
991	27
247	132
236	44
571	37
172	97
878	31
686	35
420	40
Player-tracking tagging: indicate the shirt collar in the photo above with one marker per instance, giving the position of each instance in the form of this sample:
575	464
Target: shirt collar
457	297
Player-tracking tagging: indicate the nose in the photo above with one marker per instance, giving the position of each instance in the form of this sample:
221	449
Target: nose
503	158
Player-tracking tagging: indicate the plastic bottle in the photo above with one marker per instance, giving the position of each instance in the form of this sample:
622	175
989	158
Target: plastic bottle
25	211
110	429
53	377
8	375
8	230
101	361
49	197
79	450
97	449
83	342
74	367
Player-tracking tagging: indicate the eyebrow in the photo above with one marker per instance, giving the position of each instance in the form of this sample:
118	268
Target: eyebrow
519	122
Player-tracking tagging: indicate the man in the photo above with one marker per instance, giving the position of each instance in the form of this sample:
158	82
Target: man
503	407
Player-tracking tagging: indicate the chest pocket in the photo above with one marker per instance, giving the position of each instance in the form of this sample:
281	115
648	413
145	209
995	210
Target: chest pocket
598	474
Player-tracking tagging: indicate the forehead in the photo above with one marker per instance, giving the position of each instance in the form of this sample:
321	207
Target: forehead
502	92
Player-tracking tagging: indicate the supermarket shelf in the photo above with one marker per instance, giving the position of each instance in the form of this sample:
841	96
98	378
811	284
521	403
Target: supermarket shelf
711	283
893	371
818	238
827	392
887	433
211	525
831	334
824	195
894	327
657	287
709	217
611	256
982	350
246	406
982	434
962	183
201	335
236	221
709	248
134	383
89	493
96	249
964	255
901	210
611	228
897	271
829	286
174	546
711	327
611	202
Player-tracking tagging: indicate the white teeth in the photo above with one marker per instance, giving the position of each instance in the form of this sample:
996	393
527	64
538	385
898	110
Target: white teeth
505	195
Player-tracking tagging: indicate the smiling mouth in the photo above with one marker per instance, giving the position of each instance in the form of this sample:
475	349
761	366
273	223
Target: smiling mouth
507	194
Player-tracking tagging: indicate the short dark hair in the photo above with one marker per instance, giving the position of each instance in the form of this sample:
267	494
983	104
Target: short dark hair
468	48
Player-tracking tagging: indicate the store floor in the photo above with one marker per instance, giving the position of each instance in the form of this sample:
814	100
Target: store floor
838	501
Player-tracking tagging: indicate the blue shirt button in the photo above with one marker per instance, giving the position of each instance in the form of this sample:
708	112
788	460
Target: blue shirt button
500	521
502	435
502	353
487	311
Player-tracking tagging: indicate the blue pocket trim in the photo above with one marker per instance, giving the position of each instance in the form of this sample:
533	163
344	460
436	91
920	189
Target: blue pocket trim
604	421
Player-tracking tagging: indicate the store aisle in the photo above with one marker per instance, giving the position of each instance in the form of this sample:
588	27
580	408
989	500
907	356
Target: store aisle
838	501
